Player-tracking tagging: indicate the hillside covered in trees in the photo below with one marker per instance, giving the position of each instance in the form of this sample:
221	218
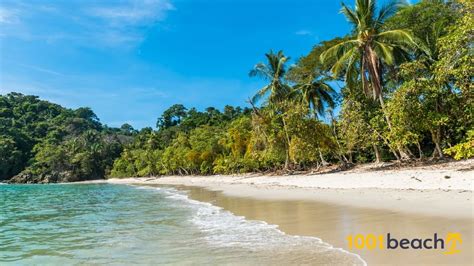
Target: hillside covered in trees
44	142
401	82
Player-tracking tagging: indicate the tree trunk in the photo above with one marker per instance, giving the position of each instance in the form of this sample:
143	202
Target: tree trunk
350	157
420	151
287	159
339	152
436	136
373	67
440	152
378	157
342	159
323	161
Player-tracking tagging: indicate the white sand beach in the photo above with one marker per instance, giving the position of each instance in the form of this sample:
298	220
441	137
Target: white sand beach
441	189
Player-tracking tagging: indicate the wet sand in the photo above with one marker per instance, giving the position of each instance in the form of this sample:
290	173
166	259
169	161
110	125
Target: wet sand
410	202
332	223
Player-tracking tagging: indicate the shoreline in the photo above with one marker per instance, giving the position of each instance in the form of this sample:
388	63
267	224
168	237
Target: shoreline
332	223
444	190
413	202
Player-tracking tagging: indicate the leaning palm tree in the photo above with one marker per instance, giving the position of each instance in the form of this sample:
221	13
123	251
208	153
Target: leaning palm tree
276	92
316	95
363	56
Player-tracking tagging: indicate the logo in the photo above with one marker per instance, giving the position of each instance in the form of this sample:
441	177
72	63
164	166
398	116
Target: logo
452	240
451	243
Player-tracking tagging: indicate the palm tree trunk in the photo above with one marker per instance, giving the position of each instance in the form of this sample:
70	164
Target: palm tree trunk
373	68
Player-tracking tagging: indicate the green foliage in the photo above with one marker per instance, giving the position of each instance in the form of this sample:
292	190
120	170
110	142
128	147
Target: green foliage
11	158
235	143
416	62
463	150
87	156
44	142
456	59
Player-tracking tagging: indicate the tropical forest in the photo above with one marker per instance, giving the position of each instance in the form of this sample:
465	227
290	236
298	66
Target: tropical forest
397	87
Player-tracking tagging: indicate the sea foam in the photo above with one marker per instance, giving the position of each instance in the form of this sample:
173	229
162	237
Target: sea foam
223	229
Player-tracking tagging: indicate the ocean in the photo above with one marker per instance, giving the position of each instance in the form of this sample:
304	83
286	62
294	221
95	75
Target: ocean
86	224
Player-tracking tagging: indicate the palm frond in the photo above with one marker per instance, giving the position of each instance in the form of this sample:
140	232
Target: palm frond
385	51
351	71
370	12
260	70
337	50
396	36
280	70
349	14
315	95
389	10
363	12
260	94
342	61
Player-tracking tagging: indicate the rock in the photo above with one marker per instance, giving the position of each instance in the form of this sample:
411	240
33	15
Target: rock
24	177
27	177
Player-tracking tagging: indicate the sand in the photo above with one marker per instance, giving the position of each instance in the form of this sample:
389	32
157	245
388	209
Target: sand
333	222
413	202
440	190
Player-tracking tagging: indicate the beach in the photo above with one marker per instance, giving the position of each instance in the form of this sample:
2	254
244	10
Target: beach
413	202
167	132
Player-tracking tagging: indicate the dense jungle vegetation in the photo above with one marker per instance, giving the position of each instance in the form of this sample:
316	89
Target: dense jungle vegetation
399	86
44	142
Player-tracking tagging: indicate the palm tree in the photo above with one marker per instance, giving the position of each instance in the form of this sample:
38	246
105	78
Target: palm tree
316	95
273	71
277	91
370	47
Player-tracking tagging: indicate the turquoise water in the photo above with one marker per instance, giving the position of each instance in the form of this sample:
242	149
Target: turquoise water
119	224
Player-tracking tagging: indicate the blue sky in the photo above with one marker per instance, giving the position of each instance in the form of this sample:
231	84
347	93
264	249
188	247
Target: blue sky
130	60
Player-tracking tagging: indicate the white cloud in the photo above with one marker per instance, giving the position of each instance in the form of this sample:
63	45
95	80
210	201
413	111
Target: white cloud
133	12
104	23
304	33
8	15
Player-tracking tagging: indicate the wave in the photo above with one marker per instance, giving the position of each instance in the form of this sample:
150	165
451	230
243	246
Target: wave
223	229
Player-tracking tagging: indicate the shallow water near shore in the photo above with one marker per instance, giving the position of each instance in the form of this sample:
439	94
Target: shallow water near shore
333	223
121	224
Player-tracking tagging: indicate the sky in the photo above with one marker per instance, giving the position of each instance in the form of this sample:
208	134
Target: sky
130	60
